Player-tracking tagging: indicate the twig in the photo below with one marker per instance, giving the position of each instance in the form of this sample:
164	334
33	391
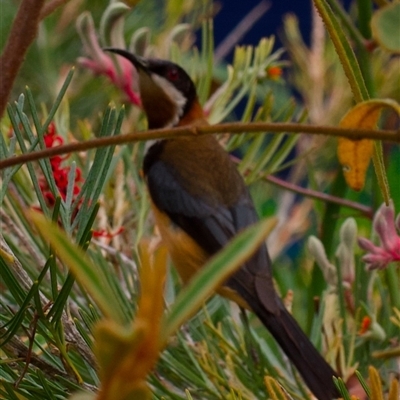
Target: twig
16	349
29	353
367	211
72	334
240	30
316	69
116	253
389	353
22	34
233	128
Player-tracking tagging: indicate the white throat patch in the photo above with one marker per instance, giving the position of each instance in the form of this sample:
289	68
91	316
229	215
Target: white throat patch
174	94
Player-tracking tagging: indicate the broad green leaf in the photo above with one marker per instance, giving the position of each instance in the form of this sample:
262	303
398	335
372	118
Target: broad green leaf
385	24
354	75
214	273
344	51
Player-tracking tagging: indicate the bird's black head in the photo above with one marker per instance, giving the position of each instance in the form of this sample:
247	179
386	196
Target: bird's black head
166	90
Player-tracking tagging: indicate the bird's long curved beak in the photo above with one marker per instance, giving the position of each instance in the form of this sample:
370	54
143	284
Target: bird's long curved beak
139	62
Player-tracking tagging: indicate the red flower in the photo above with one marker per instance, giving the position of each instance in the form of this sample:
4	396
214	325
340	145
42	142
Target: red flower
60	173
365	325
274	72
108	234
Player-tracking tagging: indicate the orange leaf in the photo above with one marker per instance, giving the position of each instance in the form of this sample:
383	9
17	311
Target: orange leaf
127	354
355	155
375	383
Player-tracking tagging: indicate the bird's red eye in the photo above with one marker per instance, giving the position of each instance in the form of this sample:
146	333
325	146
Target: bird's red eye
173	74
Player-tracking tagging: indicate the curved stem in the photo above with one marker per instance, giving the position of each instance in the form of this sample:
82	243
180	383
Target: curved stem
233	128
328	198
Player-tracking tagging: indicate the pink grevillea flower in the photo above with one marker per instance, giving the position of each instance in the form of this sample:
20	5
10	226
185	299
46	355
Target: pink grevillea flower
386	228
119	70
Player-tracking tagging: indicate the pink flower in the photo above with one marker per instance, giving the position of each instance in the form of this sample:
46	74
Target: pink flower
386	227
121	72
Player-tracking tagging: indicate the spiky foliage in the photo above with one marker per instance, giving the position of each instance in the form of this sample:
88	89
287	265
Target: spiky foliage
76	287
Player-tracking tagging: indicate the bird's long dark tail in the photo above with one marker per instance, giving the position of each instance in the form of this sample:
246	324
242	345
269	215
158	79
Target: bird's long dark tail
316	372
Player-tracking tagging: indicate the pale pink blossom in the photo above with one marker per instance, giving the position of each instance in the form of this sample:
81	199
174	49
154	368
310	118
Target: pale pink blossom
118	69
386	228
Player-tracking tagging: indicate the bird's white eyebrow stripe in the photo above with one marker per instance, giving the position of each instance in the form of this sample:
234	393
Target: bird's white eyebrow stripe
172	92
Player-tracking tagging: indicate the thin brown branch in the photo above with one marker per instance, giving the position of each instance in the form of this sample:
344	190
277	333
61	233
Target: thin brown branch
17	350
72	334
29	353
240	30
233	128
23	32
366	211
313	194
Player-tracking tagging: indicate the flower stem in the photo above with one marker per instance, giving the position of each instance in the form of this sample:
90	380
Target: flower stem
392	280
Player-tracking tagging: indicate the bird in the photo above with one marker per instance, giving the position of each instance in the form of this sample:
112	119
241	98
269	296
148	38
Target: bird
200	202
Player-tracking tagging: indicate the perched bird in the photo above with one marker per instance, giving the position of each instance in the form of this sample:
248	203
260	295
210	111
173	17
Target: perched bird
200	202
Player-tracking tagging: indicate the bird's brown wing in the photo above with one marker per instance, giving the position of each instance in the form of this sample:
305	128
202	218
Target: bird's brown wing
212	226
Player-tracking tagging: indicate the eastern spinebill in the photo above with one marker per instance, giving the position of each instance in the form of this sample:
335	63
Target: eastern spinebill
200	203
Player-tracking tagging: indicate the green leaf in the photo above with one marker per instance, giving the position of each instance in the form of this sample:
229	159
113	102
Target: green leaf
385	26
203	87
344	51
274	389
215	273
340	385
9	280
112	24
140	41
354	75
87	273
83	396
98	175
363	383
